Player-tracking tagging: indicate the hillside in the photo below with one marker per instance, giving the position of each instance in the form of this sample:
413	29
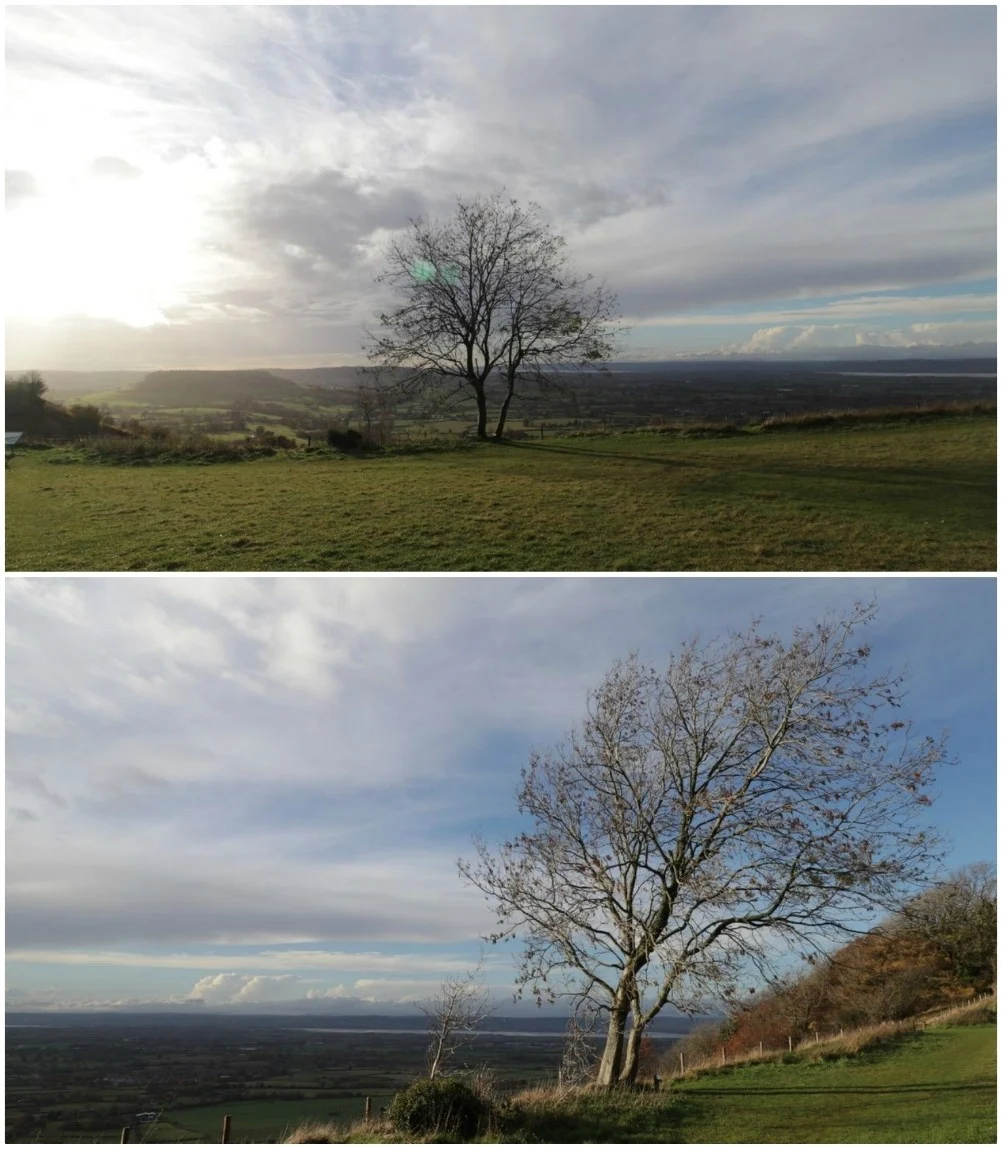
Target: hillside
903	1084
211	388
70	384
931	1087
28	411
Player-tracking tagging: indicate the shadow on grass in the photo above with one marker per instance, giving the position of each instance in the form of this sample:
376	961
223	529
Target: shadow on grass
600	1120
866	1090
583	453
887	474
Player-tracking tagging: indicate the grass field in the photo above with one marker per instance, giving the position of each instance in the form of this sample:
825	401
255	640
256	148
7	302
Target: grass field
937	1086
264	1120
905	496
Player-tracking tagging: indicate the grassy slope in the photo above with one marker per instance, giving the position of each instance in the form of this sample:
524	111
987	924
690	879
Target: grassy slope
937	1086
902	497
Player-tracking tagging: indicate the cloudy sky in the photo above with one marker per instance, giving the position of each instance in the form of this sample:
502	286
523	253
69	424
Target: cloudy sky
212	186
249	791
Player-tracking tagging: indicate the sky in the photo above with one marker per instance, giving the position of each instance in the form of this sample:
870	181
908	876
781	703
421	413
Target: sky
251	794
213	186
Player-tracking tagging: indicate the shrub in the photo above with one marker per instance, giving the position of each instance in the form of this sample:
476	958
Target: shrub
446	1105
161	445
347	440
700	1044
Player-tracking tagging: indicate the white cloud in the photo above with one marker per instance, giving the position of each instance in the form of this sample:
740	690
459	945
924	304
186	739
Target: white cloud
237	989
848	150
35	719
200	816
916	336
314	960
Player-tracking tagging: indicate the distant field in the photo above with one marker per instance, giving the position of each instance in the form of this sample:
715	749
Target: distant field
908	496
263	1120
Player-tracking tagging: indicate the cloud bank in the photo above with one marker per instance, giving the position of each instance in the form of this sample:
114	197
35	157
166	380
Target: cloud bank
213	188
241	791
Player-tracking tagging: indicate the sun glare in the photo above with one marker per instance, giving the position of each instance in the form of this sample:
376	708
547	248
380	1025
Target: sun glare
120	250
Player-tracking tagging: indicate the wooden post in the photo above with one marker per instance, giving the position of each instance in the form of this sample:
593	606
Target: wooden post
368	1110
760	1049
681	1063
560	1078
657	1083
125	1135
789	1042
226	1129
723	1056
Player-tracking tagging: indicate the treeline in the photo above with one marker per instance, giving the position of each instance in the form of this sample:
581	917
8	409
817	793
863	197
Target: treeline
27	410
940	950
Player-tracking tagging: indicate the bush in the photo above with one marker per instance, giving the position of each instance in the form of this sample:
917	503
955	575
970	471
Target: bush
700	1044
349	440
446	1105
161	445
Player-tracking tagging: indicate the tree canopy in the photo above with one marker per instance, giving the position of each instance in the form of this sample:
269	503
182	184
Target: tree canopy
486	296
753	798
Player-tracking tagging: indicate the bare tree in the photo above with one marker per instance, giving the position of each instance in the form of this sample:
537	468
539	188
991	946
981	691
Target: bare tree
487	294
374	404
453	1014
577	1063
749	799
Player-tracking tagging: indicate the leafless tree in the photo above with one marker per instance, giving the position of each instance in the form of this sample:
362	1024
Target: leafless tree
754	797
487	294
800	999
577	1063
374	404
453	1014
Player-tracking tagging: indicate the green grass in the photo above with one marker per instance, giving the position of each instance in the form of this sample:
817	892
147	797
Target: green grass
257	1120
901	496
936	1086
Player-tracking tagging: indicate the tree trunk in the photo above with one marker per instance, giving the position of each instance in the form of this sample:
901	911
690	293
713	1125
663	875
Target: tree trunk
499	430
481	412
612	1056
631	1061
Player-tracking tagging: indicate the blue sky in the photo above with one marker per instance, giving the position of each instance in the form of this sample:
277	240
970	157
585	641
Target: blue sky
252	792
213	186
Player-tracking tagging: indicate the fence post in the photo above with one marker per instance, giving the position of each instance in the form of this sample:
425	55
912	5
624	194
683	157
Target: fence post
789	1042
368	1110
560	1078
681	1063
125	1135
760	1049
723	1056
226	1129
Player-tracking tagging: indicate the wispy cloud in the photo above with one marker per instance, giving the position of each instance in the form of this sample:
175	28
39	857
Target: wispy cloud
275	776
234	171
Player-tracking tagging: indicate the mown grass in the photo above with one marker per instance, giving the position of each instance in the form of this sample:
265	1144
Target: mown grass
916	495
935	1085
